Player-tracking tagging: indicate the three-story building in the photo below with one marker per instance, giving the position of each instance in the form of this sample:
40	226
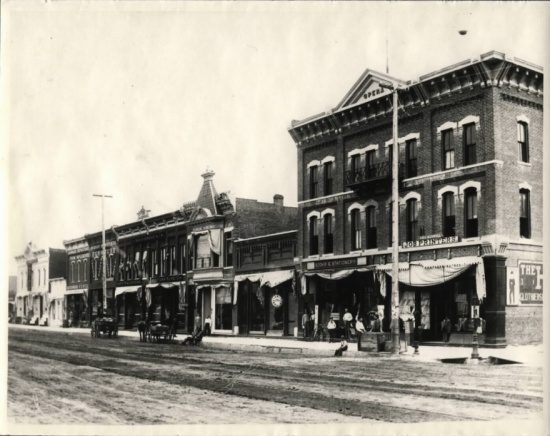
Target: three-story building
470	190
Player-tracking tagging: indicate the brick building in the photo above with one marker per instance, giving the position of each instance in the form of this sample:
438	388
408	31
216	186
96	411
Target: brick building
35	268
75	303
214	224
470	190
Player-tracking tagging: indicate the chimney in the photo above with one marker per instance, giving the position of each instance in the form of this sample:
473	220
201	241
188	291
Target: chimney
278	200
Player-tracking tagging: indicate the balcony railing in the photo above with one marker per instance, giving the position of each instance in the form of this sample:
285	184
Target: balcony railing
378	171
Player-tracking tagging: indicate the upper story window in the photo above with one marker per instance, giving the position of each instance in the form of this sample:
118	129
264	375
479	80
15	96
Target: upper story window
228	249
313	236
449	219
371	227
154	263
313	181
369	163
44	271
182	258
412	220
412	170
448	148
469	135
470	213
38	277
173	261
524	214
73	274
328	234
355	167
523	141
328	190
355	216
85	263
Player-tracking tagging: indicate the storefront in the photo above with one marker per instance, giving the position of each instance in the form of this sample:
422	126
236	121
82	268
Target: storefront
162	302
129	306
96	303
267	303
430	290
216	300
76	307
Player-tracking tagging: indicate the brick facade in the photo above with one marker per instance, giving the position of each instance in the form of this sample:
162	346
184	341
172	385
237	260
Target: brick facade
492	94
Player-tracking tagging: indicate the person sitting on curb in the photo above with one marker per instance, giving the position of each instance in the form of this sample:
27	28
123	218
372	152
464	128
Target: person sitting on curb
331	327
343	347
194	339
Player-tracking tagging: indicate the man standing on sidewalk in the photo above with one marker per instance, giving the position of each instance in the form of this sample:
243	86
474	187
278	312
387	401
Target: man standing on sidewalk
197	327
446	329
348	318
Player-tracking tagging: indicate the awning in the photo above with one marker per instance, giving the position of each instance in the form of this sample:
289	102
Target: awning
74	291
275	278
126	290
434	272
252	277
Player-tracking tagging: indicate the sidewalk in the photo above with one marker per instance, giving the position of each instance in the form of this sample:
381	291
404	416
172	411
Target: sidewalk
531	355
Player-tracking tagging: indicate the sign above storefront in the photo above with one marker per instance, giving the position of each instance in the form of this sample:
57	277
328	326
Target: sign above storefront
337	263
176	278
79	286
428	242
134	282
209	226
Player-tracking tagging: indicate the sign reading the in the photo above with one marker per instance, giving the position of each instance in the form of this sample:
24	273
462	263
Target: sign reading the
431	241
530	282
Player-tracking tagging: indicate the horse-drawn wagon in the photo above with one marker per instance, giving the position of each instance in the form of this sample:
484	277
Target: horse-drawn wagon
105	326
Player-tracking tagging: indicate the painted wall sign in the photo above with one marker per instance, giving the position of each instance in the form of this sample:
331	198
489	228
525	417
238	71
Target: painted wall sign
151	237
176	278
530	282
431	241
209	226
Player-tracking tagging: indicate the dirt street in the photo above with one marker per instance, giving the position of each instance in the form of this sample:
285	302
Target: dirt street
55	377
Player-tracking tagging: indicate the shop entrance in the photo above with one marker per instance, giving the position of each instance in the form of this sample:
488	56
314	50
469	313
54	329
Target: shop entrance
251	313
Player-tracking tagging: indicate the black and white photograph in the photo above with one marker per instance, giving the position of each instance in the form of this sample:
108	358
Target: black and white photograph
280	218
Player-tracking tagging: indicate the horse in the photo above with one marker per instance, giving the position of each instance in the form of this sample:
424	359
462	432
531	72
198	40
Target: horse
143	326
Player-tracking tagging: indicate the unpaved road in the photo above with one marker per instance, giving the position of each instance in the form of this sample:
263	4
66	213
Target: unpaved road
59	378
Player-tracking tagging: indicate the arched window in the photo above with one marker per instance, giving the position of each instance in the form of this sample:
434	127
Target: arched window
327	174
412	163
78	268
371	227
85	270
355	229
72	272
449	218
313	181
328	235
313	236
412	220
523	141
470	213
524	214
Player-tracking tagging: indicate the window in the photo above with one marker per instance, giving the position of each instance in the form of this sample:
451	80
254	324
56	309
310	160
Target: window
328	248
523	141
328	178
182	258
154	263
39	277
228	249
313	181
73	275
411	158
524	214
470	144
371	169
412	220
355	229
313	236
449	220
371	227
204	254
355	165
470	213
448	149
85	263
163	261
173	260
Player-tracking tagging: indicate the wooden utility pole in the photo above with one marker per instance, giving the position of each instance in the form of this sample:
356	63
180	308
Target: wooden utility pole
104	253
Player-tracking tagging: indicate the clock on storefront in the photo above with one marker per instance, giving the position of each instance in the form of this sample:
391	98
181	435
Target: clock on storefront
277	301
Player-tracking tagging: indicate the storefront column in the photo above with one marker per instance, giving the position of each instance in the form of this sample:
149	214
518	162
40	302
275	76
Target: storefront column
495	313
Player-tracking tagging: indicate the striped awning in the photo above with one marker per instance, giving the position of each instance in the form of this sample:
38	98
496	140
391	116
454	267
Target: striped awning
126	290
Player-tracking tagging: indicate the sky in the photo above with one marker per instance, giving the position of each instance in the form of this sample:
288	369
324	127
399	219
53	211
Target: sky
136	100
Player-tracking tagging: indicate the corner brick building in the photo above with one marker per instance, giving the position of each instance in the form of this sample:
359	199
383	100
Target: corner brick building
470	201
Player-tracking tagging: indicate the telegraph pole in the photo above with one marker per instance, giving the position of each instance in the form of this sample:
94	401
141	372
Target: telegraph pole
104	253
395	223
